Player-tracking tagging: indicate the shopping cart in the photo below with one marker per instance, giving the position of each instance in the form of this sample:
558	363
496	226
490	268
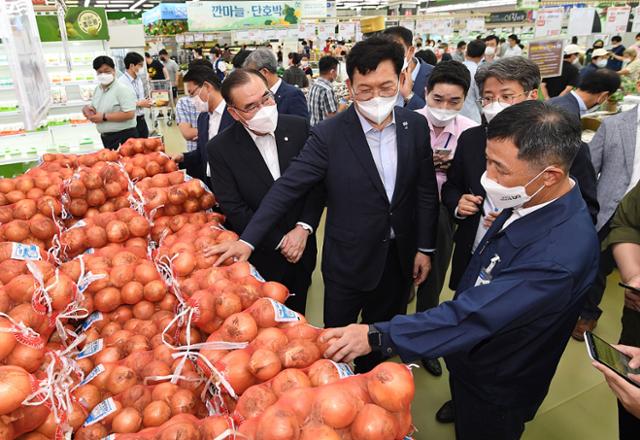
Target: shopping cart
163	104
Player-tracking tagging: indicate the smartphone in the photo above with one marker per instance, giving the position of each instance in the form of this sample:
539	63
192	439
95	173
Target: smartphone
601	351
443	152
626	286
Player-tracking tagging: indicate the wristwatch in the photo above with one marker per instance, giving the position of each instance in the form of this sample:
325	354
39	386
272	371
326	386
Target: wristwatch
104	117
375	338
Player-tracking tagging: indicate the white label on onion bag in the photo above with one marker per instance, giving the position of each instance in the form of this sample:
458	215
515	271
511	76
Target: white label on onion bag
256	274
88	278
94	317
344	370
101	411
91	349
99	369
78	224
21	251
283	313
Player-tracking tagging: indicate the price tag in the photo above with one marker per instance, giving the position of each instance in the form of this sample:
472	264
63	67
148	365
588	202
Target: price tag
91	349
101	411
99	369
21	251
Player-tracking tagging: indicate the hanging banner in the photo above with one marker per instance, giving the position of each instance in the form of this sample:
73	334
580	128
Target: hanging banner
442	27
326	30
507	17
358	32
581	21
549	22
548	55
232	15
475	24
409	24
81	24
314	8
165	11
635	26
307	30
528	4
21	43
617	19
347	31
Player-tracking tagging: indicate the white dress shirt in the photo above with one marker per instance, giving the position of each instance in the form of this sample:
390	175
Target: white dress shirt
581	103
514	51
215	118
276	86
137	87
269	151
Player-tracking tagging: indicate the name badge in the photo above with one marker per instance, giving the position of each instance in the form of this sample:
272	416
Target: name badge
485	276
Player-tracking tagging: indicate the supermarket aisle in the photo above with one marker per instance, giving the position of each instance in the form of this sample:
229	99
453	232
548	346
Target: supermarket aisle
579	404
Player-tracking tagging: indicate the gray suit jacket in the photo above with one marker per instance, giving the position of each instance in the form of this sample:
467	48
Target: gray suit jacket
613	153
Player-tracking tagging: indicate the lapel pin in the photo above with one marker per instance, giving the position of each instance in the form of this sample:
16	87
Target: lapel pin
286	138
405	124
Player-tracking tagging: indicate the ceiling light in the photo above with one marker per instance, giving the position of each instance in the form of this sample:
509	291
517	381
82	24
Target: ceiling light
86	3
474	5
136	5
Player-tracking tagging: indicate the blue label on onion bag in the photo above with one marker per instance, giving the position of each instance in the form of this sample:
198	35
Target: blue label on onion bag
94	317
99	369
101	411
21	251
344	370
283	313
256	274
91	349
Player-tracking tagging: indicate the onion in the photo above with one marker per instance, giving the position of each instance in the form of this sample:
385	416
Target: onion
254	401
319	432
154	291
335	406
235	369
61	290
239	327
7	185
289	379
117	231
323	372
43	228
107	299
299	353
373	423
92	180
78	207
164	391
213	426
15	196
143	310
155	369
177	195
156	413
263	312
391	386
272	339
183	402
403	423
7	340
183	264
300	401
15	386
264	364
228	303
120	379
26	357
128	420
96	197
124	258
88	396
183	430
16	230
145	273
93	432
302	331
6	430
49	206
278	424
132	292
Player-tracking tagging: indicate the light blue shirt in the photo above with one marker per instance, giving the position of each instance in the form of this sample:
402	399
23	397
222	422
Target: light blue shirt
414	75
137	87
471	108
581	104
384	149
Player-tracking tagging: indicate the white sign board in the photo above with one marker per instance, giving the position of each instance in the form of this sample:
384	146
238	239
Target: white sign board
617	19
314	8
442	27
475	24
409	24
307	30
21	41
347	31
581	21
326	30
635	26
549	22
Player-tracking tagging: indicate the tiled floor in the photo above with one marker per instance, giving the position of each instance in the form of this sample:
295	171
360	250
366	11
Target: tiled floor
579	404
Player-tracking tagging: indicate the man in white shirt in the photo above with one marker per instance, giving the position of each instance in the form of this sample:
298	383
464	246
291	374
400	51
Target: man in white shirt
475	52
246	160
514	50
203	86
134	65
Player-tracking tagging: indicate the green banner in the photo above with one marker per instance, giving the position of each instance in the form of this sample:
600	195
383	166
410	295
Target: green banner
81	23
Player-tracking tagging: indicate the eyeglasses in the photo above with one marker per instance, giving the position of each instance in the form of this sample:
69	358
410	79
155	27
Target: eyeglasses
266	100
384	92
196	92
505	99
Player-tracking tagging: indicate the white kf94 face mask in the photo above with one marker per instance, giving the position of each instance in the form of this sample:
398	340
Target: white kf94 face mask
503	197
440	117
265	120
377	109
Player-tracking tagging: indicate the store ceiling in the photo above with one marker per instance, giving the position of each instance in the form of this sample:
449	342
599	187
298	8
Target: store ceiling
117	5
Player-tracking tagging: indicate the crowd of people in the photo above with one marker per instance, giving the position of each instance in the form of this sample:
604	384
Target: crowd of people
471	162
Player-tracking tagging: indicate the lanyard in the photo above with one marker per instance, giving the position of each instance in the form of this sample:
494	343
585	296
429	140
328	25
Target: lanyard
447	143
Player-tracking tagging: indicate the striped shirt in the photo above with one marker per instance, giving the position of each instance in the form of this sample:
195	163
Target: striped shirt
321	100
186	112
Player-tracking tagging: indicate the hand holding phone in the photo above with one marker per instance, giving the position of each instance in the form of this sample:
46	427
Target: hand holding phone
606	354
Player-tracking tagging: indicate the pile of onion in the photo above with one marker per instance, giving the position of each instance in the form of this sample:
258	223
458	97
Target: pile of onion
140	166
101	188
170	195
135	146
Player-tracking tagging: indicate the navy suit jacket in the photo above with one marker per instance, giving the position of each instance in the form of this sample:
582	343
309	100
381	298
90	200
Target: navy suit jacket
418	100
567	102
359	214
291	101
503	339
195	162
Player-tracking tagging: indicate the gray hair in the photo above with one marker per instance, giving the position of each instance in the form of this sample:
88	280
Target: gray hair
261	59
519	69
543	133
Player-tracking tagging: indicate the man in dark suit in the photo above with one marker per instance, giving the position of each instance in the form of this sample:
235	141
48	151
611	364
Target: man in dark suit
290	99
203	86
375	163
415	72
503	83
245	161
593	90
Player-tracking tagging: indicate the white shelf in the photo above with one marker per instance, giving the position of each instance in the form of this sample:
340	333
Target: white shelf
72	103
11	113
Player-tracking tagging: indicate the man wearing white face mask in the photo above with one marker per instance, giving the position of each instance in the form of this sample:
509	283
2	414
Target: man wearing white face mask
415	72
375	163
203	86
113	107
246	160
447	87
490	52
134	65
599	59
506	328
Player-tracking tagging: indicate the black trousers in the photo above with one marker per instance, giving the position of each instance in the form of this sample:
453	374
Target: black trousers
590	308
141	126
477	419
629	425
113	140
343	305
428	295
